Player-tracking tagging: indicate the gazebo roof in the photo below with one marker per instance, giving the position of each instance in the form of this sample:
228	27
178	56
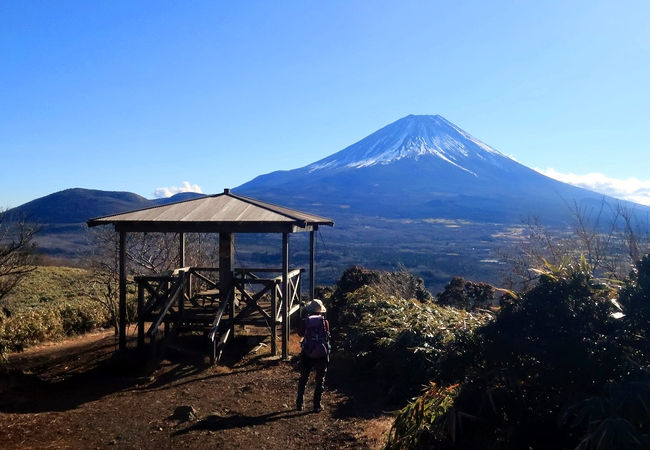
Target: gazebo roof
221	213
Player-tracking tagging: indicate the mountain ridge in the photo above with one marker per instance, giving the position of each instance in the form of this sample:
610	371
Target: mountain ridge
77	205
422	166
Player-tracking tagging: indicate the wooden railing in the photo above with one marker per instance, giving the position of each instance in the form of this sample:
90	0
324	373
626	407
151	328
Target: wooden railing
164	291
162	299
217	347
271	287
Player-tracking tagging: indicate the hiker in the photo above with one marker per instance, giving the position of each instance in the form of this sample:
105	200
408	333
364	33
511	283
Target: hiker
315	354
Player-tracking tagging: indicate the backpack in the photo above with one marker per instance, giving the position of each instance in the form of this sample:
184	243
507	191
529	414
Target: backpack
316	343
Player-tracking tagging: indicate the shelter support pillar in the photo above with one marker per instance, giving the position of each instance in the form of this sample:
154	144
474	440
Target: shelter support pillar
140	316
274	321
312	244
181	250
285	295
226	281
122	289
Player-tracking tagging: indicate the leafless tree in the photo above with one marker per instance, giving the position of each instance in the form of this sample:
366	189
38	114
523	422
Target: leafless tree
17	256
597	240
610	239
104	265
146	254
635	234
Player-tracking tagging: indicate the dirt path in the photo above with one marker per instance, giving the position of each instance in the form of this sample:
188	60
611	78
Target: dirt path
74	395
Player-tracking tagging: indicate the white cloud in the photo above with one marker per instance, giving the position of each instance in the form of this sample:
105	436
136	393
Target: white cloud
631	189
164	192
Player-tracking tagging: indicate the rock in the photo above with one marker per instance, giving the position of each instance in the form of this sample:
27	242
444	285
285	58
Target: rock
185	414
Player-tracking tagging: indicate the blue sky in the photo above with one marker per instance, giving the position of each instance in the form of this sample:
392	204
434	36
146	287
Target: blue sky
148	96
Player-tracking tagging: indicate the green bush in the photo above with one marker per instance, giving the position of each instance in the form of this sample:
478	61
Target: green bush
558	368
398	341
467	295
35	325
83	316
414	424
29	327
51	303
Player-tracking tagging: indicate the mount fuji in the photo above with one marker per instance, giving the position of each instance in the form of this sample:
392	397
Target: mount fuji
423	166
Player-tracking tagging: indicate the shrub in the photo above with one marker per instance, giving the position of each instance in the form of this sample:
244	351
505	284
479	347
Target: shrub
467	294
29	327
414	424
556	369
83	316
400	284
397	342
51	303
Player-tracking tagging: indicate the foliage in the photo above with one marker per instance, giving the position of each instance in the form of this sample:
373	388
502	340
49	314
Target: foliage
397	341
53	321
426	416
558	368
400	284
51	303
467	294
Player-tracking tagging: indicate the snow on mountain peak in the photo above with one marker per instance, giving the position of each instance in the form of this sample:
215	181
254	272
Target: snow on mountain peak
412	137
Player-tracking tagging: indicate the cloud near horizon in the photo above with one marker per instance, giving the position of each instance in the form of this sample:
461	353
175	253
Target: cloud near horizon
164	192
631	189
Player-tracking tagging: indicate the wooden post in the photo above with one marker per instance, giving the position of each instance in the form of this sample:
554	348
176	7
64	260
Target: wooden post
140	316
274	320
181	250
181	262
226	282
312	244
285	295
122	288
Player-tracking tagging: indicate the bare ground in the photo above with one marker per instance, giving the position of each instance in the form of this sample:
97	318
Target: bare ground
78	394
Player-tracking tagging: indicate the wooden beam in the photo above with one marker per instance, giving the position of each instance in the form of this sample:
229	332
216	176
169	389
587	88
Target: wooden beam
226	282
140	316
312	248
122	289
206	227
285	296
181	249
274	321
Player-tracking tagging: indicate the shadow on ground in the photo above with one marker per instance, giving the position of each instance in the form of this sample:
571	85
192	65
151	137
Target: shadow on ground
217	423
67	379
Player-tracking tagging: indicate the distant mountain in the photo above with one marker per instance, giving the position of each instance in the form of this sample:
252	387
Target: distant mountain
418	167
77	205
62	215
180	197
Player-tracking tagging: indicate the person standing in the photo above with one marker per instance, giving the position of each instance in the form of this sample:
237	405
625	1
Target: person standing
315	353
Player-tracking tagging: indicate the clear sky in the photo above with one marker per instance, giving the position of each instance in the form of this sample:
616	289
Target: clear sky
148	96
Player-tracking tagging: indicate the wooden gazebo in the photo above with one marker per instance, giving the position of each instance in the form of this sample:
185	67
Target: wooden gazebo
225	214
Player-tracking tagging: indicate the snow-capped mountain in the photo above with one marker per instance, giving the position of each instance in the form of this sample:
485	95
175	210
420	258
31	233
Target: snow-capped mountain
422	166
412	137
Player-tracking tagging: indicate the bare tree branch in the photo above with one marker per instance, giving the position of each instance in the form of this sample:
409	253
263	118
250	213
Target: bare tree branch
17	256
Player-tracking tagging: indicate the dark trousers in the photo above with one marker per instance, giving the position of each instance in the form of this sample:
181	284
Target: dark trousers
320	367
